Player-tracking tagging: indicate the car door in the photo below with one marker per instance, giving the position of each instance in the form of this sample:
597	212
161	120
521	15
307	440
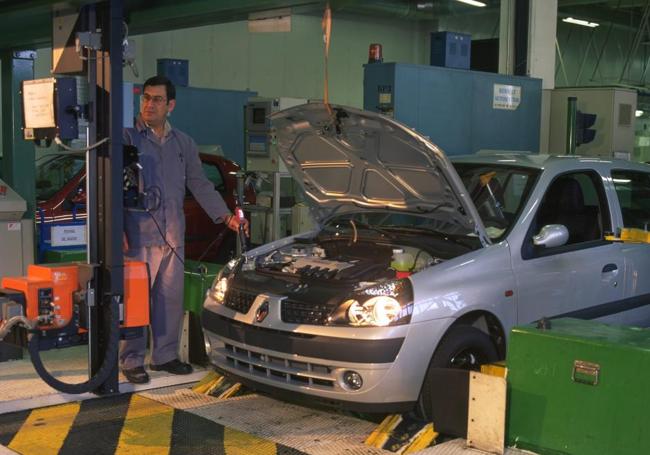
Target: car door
632	189
576	278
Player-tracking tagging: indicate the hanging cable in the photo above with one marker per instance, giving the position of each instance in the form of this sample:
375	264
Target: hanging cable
326	25
60	143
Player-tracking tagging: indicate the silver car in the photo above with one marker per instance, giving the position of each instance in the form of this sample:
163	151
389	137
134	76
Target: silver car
419	263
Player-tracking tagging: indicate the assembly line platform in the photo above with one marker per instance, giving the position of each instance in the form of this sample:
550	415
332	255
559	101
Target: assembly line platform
166	416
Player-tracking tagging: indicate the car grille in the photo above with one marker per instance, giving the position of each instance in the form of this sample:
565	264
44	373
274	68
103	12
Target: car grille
295	312
279	369
239	300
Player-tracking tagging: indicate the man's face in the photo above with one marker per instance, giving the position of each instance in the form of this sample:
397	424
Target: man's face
155	105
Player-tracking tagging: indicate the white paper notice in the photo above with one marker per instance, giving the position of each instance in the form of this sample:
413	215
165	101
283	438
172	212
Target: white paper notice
68	235
506	97
38	99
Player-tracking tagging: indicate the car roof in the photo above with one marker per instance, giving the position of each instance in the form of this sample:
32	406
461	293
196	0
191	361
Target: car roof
557	163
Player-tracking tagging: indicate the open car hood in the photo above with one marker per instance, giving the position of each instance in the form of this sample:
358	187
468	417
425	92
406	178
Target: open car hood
352	160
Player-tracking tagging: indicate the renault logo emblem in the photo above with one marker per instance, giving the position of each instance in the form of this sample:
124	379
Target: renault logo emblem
262	311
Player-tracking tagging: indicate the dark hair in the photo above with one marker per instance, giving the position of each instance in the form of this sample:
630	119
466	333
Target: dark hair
162	80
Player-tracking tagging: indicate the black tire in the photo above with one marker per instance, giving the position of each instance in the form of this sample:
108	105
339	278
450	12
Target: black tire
463	347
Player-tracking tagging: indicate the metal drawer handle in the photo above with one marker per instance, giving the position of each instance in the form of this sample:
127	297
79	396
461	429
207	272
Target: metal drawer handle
585	372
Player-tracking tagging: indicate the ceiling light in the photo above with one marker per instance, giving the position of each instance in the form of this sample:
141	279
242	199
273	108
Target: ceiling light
638	113
585	23
472	2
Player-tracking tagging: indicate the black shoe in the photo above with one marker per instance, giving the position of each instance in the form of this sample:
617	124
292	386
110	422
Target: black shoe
136	375
174	367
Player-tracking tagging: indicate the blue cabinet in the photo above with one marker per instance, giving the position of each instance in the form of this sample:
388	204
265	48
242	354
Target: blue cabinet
451	50
461	111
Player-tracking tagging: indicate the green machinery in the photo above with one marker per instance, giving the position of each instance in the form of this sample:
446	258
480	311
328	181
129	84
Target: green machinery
198	279
579	387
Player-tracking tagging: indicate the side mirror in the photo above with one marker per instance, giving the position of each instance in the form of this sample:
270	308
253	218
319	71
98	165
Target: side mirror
552	235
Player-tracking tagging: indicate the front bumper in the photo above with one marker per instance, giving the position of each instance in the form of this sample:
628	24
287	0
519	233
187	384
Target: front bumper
313	364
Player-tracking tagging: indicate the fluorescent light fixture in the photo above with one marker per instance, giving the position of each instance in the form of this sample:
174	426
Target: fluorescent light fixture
472	2
583	22
622	180
638	113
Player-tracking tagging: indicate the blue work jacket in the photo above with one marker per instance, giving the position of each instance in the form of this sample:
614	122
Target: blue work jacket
169	165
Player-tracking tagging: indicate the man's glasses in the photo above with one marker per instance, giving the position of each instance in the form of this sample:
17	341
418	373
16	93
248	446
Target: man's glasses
153	99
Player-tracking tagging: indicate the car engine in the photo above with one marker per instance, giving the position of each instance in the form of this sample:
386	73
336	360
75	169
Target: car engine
341	261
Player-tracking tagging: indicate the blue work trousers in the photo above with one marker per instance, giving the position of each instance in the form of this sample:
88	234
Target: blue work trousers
166	310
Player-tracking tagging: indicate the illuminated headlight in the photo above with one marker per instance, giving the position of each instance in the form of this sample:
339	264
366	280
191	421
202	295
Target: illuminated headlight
218	290
389	303
379	311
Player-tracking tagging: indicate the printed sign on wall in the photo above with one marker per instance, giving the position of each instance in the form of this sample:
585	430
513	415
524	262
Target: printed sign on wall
506	97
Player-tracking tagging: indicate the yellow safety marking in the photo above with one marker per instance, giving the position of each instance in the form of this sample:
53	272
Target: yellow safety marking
240	443
421	440
495	369
632	235
214	385
230	391
147	428
380	435
45	430
208	382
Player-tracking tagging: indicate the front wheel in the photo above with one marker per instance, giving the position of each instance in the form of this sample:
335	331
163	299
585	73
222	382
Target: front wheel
464	348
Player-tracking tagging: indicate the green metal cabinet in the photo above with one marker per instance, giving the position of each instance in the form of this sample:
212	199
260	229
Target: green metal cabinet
198	279
580	387
57	256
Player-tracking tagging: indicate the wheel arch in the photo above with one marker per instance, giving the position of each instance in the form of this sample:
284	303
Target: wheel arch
486	322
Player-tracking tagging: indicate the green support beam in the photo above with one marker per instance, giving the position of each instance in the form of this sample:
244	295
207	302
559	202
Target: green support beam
18	155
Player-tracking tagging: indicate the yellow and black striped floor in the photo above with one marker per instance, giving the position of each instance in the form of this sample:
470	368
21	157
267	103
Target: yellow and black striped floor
126	424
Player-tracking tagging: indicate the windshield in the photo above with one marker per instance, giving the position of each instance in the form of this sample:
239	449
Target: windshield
499	193
54	171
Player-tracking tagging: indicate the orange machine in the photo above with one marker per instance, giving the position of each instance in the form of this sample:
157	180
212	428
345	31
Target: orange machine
56	296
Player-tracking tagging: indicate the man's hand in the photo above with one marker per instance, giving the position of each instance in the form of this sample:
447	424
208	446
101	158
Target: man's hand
125	243
233	223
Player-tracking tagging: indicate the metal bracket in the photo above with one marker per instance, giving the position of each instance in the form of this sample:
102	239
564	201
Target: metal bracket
585	372
88	40
118	300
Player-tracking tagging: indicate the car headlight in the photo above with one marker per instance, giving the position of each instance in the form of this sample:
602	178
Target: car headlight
389	303
378	311
217	291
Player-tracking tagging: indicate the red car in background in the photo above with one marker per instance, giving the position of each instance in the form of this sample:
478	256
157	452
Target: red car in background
61	197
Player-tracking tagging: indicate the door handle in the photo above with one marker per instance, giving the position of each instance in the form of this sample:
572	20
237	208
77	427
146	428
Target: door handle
610	268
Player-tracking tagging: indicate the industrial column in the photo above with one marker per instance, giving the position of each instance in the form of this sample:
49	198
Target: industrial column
105	173
527	38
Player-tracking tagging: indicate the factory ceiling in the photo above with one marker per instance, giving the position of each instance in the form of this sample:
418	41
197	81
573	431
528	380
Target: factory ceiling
27	23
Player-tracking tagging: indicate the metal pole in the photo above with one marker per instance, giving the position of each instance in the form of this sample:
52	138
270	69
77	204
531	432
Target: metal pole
276	205
94	360
108	162
241	175
572	112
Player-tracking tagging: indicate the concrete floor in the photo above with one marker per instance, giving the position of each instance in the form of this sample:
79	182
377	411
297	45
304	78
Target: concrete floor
21	388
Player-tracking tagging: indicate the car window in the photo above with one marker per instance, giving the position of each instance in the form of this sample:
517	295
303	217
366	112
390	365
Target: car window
54	171
577	201
633	191
498	192
213	174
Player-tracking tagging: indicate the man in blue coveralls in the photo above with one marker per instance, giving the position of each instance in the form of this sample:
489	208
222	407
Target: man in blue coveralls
170	162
